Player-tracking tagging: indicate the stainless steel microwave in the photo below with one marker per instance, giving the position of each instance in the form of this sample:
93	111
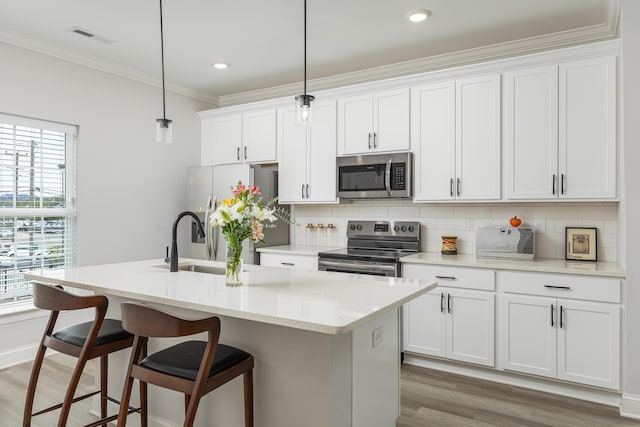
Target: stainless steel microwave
375	176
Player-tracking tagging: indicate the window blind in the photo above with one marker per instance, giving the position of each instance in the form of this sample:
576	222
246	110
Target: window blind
37	209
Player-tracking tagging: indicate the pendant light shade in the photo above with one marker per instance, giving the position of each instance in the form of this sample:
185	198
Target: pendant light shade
303	102
164	126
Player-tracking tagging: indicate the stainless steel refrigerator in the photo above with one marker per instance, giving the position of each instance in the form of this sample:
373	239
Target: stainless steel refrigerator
205	184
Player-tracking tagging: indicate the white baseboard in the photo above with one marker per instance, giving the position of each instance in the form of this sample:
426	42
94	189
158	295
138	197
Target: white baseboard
630	406
604	397
18	355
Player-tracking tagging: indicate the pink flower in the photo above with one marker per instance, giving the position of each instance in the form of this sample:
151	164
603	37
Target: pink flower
256	231
254	189
238	190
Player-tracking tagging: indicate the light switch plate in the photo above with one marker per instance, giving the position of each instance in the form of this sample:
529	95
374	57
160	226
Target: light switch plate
376	337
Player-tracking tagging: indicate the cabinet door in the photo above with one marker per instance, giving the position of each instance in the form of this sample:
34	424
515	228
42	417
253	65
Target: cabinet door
355	124
471	326
423	324
531	133
321	166
589	343
391	120
433	135
478	138
587	122
292	156
528	339
259	136
226	133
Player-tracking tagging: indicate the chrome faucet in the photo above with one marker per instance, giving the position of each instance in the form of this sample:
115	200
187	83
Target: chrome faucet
174	232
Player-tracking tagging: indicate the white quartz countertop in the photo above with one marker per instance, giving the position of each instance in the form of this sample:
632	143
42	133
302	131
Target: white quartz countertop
325	302
542	265
311	250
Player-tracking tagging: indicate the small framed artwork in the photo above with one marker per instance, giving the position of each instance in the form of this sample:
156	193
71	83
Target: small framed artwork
581	243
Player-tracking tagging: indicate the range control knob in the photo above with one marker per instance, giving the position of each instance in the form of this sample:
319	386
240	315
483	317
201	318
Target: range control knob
396	228
359	227
411	228
352	227
403	228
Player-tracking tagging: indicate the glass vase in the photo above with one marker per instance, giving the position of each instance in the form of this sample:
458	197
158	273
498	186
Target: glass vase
233	267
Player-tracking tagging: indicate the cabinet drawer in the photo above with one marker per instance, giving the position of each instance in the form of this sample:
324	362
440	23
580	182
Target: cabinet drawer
452	277
561	286
303	262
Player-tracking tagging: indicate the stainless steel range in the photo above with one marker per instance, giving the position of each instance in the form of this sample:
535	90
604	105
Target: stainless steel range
373	247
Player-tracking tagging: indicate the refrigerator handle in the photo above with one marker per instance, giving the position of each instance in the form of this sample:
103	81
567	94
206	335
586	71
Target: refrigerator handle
208	229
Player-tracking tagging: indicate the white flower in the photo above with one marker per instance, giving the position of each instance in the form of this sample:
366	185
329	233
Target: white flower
262	214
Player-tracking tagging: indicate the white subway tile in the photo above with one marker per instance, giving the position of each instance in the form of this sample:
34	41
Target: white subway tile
607	212
472	212
436	212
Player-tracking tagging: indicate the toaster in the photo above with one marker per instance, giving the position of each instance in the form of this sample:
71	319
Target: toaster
506	242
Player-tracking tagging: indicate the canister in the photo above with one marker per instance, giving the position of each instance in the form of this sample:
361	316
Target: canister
449	245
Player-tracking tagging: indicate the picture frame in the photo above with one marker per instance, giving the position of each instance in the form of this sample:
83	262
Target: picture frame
581	243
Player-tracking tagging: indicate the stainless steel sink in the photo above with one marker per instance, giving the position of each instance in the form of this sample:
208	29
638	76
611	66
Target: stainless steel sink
198	268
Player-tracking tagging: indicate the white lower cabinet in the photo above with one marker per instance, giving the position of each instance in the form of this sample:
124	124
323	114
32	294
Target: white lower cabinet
302	262
452	322
561	337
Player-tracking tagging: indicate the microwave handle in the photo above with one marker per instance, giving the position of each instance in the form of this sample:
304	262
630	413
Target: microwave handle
387	177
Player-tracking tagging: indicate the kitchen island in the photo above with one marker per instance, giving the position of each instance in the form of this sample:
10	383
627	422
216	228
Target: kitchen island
327	345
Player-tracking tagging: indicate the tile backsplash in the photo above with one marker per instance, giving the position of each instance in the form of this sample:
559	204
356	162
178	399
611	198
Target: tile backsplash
548	219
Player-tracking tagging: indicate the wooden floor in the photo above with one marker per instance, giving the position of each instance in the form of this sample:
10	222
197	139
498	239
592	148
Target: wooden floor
434	398
54	378
429	398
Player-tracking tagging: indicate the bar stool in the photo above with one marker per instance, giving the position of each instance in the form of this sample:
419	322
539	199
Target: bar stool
192	367
85	341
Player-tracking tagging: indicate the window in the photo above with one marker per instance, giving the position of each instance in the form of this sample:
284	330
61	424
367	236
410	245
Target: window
37	209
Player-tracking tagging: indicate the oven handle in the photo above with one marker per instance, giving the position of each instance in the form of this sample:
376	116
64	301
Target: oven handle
349	267
387	177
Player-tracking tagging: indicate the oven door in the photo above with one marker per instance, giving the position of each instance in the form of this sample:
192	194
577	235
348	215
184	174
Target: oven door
371	268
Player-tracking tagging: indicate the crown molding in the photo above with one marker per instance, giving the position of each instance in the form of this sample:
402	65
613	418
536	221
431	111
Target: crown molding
497	51
69	55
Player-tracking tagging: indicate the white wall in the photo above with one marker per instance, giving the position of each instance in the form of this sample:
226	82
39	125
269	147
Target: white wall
549	220
129	188
630	207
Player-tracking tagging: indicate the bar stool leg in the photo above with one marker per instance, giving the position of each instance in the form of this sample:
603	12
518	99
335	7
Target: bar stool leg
71	390
104	374
31	389
248	398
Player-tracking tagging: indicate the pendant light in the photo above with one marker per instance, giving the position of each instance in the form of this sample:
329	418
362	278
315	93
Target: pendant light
303	102
164	126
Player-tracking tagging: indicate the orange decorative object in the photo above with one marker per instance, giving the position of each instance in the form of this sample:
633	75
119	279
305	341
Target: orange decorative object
515	221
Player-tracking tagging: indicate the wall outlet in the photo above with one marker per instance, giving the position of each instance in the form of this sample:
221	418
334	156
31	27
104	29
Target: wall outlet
376	337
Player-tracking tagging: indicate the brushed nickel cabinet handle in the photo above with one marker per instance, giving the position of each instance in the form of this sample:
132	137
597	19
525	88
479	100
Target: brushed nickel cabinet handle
552	315
446	277
245	153
458	186
553	184
238	153
451	187
562	184
441	302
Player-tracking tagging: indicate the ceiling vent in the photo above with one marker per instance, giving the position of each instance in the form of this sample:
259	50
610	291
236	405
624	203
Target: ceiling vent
86	33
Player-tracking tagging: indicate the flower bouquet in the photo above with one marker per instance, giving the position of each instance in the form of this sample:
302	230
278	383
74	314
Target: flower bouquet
243	217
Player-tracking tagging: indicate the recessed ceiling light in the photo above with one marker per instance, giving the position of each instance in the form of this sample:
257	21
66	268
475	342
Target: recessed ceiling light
419	15
220	65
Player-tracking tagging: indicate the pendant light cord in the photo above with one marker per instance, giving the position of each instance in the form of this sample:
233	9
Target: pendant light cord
164	113
305	46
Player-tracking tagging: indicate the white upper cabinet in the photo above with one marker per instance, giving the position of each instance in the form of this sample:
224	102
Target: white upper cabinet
531	133
560	138
238	138
259	136
307	156
375	122
456	133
